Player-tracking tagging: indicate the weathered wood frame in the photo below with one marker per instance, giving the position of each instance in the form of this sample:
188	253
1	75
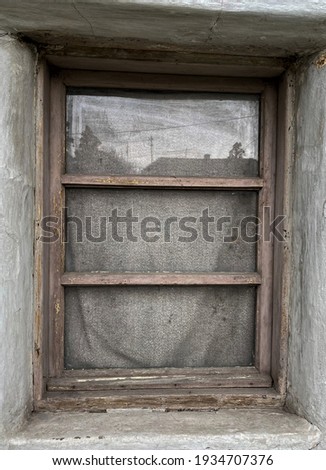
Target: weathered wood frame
56	388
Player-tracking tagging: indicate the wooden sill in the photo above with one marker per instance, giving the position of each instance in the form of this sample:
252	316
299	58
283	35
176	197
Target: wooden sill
168	378
170	389
181	400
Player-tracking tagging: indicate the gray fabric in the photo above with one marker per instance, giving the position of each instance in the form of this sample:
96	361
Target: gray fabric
162	133
134	327
160	255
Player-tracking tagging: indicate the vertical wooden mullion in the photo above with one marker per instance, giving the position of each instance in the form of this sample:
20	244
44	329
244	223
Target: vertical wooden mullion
57	202
265	243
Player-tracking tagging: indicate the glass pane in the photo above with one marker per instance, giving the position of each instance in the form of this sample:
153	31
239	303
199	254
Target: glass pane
134	327
162	133
134	230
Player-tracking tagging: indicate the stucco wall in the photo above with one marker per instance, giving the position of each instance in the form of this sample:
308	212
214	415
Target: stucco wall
307	345
255	27
307	342
17	64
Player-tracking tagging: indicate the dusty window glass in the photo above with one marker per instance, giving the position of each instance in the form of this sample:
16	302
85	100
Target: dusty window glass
161	133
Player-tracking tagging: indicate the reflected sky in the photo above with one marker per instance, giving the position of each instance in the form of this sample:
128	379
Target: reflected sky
142	127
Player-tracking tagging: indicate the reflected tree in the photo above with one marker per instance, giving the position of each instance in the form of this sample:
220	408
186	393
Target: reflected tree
237	151
107	161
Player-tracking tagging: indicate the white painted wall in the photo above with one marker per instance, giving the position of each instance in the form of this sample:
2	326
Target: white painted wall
17	67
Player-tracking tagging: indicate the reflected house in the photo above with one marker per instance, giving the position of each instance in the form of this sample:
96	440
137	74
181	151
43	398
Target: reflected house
233	166
90	158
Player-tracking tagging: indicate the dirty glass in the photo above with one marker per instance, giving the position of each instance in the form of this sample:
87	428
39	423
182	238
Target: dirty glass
161	133
136	327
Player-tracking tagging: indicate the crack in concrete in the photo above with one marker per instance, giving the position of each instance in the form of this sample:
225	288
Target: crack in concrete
83	17
12	236
215	22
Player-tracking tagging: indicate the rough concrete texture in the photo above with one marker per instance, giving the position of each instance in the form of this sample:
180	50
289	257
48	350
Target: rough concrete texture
145	429
16	231
307	345
235	27
277	28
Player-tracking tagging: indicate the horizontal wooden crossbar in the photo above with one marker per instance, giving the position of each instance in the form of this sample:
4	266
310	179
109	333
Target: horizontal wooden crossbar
154	81
167	279
155	182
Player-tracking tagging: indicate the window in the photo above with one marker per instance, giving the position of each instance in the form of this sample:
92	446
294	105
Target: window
159	261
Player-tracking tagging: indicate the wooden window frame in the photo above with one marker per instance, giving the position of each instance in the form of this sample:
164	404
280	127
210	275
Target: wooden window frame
200	388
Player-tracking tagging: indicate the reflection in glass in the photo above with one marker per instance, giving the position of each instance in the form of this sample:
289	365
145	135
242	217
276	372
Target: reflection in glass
162	133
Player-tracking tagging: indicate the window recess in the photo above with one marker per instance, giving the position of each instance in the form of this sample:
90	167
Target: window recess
172	309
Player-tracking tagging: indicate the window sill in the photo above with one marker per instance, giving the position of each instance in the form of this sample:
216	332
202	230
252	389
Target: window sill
147	429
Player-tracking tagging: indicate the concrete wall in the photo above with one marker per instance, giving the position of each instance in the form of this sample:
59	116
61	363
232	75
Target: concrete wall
17	67
255	27
307	345
307	342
